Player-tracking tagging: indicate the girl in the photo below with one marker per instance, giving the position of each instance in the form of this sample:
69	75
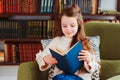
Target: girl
68	33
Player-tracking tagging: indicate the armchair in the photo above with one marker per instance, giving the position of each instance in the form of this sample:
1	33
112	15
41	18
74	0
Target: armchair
109	53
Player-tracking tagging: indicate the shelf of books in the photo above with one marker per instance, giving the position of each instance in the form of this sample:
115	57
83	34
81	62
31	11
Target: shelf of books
26	28
26	6
23	23
91	10
86	6
15	53
20	39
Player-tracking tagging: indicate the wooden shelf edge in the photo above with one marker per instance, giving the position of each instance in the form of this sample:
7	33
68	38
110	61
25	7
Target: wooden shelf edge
26	15
8	64
101	15
22	40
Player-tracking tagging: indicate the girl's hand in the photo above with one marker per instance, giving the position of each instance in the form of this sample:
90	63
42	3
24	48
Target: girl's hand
49	59
85	56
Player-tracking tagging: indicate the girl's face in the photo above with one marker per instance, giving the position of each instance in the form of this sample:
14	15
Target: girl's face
69	26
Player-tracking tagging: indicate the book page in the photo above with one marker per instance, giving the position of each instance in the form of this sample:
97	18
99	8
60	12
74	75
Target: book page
58	50
62	52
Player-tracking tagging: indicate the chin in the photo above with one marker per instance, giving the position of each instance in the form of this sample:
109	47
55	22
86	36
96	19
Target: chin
69	36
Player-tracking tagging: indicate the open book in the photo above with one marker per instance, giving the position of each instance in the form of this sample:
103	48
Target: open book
68	61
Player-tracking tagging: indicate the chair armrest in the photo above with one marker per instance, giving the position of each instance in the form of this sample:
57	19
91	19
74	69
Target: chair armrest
109	68
117	77
30	71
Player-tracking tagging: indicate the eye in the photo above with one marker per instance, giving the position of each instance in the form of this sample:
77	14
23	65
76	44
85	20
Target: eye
64	26
73	26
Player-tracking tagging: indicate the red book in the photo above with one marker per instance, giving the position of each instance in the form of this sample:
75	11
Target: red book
30	52
18	6
21	52
15	6
10	52
31	6
1	7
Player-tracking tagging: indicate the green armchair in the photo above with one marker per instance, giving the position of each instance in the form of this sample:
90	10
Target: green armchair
109	52
30	71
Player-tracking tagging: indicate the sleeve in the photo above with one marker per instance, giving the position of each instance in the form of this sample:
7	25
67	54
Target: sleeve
41	54
94	64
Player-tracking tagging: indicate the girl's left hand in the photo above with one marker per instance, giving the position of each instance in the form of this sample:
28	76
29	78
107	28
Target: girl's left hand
85	56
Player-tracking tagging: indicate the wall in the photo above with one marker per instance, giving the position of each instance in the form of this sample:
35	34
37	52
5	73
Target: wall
108	4
8	72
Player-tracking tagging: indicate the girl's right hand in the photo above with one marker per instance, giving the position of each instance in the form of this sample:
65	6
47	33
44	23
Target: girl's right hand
49	59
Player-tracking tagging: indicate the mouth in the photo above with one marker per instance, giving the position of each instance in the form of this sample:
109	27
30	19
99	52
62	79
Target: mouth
68	33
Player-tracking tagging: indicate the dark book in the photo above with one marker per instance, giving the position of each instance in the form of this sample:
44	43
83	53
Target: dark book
2	51
68	61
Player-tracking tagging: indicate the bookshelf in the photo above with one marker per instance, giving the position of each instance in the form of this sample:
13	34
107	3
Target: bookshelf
23	23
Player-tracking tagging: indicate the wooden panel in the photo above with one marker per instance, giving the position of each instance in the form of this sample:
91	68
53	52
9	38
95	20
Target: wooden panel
118	5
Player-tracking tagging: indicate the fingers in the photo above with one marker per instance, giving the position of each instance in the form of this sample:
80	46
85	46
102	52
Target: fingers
85	56
53	60
84	53
49	59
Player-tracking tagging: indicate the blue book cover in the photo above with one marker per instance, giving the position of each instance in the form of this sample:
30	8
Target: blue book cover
68	62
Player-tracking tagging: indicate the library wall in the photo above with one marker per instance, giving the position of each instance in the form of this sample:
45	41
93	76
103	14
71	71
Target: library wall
112	5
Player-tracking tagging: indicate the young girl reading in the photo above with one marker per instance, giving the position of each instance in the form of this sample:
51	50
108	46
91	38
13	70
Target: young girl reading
70	31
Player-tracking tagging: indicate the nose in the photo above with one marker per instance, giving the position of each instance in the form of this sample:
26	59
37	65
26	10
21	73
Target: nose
68	28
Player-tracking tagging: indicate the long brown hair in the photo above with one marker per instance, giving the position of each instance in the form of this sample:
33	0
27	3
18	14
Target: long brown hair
74	11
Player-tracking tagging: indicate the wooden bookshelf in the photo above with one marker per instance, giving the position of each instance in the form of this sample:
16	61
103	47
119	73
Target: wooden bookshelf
118	5
29	20
100	16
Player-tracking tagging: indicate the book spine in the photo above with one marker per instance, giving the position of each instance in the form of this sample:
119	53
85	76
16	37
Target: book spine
41	6
2	51
94	6
1	6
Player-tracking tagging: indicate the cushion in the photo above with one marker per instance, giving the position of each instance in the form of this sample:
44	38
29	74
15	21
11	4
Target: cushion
45	42
109	68
95	41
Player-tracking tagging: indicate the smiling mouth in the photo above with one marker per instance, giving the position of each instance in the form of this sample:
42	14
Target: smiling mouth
68	33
